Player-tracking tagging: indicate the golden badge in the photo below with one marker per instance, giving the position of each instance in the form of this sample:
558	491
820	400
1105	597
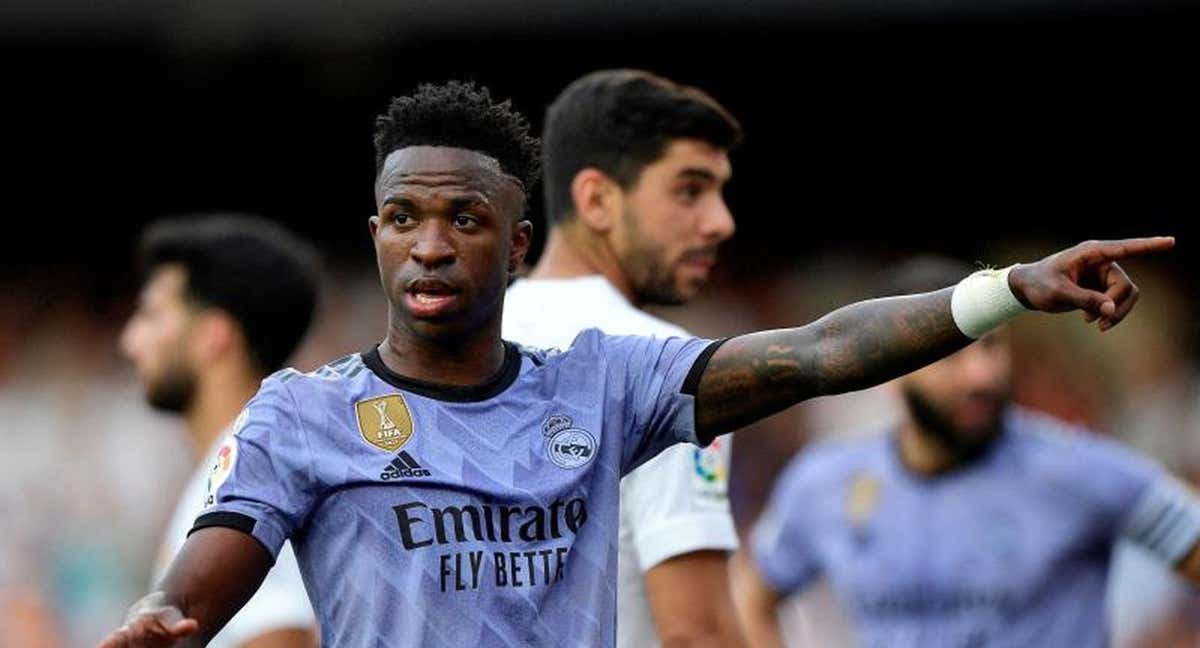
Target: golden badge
384	421
862	499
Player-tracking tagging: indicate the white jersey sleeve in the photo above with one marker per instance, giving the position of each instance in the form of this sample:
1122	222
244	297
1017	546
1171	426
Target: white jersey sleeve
678	503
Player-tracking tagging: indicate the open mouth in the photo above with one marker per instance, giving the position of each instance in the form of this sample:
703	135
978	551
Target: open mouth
429	297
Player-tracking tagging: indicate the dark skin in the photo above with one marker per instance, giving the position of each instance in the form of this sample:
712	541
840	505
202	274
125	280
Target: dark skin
871	342
449	222
448	233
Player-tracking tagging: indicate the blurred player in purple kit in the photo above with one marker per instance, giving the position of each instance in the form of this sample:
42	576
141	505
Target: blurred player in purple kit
973	522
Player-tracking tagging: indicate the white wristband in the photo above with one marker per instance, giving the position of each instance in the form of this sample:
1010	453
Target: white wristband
983	301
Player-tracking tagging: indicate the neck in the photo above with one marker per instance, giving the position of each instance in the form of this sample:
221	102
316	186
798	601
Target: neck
220	397
922	453
458	361
574	251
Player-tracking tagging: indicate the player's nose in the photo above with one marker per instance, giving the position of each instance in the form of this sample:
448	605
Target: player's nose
127	339
433	246
718	224
979	368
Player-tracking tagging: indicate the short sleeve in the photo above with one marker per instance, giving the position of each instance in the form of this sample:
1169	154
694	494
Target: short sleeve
1114	479
261	481
781	540
1140	501
281	603
1166	520
658	377
678	503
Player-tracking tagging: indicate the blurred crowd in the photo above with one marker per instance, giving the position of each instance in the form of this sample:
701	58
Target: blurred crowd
88	473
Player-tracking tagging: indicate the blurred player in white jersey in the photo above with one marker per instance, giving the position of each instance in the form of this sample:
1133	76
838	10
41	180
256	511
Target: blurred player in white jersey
634	166
225	302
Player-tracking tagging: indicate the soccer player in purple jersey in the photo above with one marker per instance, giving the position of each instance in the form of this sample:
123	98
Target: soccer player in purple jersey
446	488
972	522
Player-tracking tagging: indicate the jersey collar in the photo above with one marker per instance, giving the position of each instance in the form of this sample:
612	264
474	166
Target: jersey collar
454	393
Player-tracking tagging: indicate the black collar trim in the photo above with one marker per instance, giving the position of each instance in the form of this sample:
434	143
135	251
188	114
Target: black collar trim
454	393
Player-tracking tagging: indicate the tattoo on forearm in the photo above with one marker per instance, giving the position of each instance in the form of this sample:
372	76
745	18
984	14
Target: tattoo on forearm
854	347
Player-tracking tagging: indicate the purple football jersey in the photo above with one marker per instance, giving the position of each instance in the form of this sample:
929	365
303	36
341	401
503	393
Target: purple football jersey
1011	550
429	515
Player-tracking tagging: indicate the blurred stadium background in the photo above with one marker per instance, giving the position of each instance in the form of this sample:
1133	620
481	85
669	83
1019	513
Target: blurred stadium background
993	131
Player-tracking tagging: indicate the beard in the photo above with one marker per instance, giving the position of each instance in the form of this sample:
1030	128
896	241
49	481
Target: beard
935	424
174	390
652	281
648	269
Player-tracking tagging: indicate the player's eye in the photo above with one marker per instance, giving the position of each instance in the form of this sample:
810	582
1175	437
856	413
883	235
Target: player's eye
690	193
401	218
465	220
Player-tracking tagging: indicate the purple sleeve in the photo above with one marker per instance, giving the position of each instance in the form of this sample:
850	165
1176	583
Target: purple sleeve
658	377
1140	501
1112	477
261	482
781	540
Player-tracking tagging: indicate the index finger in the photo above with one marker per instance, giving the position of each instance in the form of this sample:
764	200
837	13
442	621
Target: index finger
1134	246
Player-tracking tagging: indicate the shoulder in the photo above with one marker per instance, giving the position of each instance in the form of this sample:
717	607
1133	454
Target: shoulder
1074	451
1033	432
344	368
540	307
587	346
291	384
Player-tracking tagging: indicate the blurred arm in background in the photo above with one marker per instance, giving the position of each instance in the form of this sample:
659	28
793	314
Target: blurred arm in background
757	604
214	574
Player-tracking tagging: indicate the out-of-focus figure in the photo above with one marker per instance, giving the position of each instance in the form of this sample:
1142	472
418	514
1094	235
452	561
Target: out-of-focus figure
972	522
634	166
225	302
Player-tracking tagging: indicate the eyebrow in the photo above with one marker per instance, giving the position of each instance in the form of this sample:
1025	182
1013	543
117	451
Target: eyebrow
461	203
698	173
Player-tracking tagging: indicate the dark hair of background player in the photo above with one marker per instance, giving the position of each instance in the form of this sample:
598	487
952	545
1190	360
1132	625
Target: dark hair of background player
461	115
620	121
261	274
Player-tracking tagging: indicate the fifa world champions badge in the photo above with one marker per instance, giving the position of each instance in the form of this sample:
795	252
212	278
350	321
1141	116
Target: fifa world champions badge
384	422
566	445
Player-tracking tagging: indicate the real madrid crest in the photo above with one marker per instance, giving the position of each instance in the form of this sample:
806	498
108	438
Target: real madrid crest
862	499
384	421
567	446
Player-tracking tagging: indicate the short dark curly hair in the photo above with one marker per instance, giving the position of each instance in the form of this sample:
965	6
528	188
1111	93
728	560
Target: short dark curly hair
463	115
620	121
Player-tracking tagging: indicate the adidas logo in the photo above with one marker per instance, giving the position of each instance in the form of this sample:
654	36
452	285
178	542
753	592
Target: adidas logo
403	466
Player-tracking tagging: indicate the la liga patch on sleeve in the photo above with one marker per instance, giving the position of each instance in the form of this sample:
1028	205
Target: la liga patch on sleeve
711	469
221	469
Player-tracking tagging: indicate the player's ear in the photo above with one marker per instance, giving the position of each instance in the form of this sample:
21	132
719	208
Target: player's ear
214	334
373	225
522	237
597	199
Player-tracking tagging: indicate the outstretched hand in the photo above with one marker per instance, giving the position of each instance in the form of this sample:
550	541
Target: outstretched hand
151	624
1085	277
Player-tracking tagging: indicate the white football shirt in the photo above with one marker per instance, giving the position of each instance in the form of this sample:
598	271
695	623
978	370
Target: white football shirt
280	603
673	504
